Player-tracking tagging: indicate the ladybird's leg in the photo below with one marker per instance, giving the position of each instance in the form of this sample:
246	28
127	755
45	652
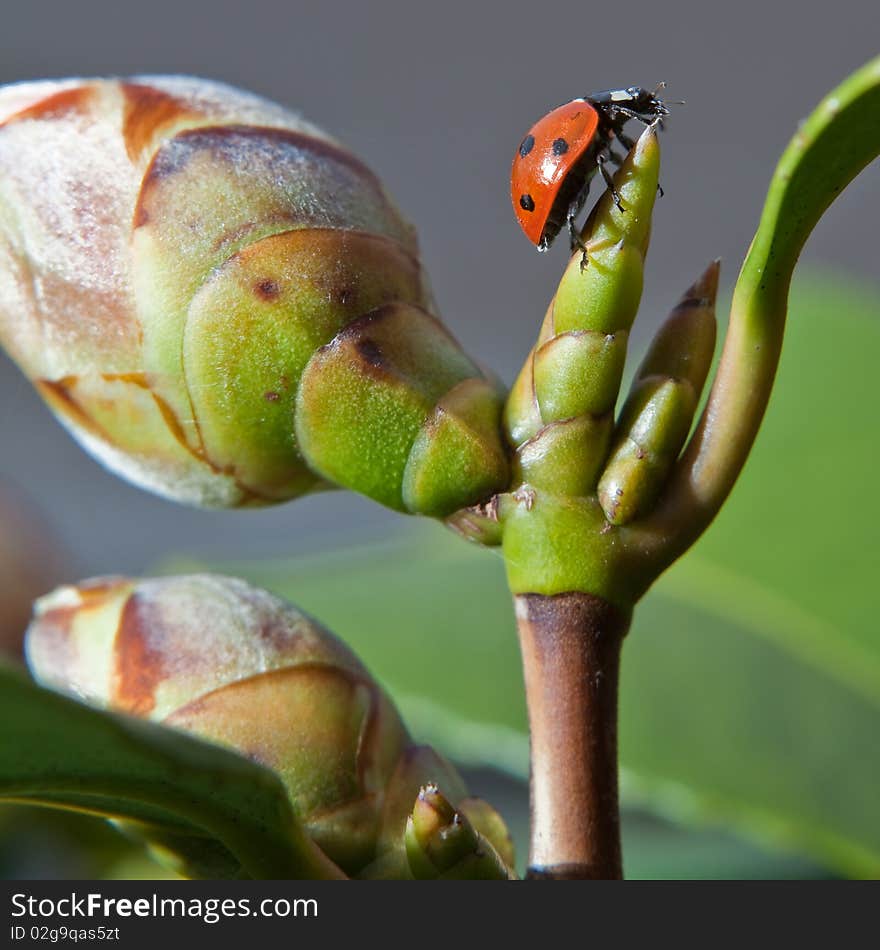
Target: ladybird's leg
601	158
629	114
576	242
622	110
574	234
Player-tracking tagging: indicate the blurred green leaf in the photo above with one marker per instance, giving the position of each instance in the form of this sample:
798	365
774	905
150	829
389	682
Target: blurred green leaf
38	843
751	684
60	753
801	525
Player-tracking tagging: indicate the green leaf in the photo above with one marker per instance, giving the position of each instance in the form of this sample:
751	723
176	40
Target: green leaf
751	679
60	753
839	138
801	523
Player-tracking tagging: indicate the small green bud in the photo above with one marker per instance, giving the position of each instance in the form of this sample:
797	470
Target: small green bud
578	373
658	413
442	843
559	414
556	537
651	431
393	408
604	296
565	457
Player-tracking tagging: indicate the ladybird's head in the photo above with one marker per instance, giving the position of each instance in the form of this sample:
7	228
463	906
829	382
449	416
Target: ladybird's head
633	102
646	104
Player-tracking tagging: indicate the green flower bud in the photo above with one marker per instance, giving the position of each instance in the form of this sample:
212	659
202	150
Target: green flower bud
659	411
441	842
224	306
559	415
234	665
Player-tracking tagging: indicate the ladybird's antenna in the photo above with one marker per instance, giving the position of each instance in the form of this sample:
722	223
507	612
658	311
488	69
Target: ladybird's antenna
667	102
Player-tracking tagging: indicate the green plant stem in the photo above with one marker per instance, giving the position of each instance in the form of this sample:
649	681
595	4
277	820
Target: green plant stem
571	661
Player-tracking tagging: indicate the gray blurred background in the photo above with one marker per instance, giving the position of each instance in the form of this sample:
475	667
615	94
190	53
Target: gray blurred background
435	98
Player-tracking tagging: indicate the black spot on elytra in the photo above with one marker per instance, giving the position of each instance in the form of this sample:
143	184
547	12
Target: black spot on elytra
560	146
370	351
527	203
267	288
527	144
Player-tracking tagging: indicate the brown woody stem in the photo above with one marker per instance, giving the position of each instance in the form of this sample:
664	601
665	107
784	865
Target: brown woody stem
571	660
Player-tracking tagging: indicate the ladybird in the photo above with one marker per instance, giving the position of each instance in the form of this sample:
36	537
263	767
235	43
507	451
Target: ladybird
561	152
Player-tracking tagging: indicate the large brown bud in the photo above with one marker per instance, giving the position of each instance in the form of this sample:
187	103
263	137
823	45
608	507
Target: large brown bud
233	664
224	306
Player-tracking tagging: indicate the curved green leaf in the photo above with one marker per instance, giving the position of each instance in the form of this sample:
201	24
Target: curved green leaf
831	147
838	140
57	752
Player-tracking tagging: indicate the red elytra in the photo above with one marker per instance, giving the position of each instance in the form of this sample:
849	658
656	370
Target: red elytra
552	168
548	158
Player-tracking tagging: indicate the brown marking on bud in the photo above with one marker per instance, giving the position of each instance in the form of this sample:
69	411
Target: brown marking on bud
97	588
138	667
354	336
135	379
225	141
147	111
271	396
77	100
267	288
58	393
141	216
371	352
275	632
176	429
225	144
249	494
